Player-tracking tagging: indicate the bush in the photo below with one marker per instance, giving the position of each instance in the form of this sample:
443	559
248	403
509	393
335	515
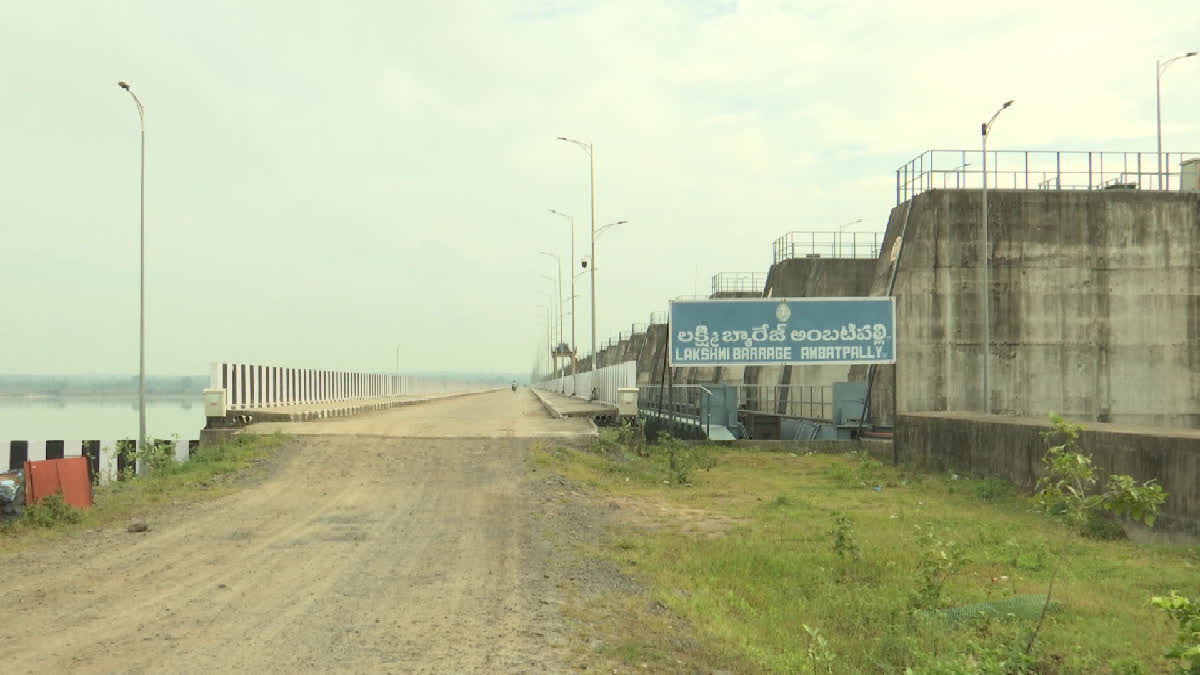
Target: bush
52	511
1068	488
1187	642
683	458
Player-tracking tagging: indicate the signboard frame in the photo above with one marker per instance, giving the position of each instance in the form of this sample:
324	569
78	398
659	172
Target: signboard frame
673	333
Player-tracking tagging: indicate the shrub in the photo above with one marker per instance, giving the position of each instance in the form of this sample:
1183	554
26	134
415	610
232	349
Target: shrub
1187	642
1068	488
51	511
845	545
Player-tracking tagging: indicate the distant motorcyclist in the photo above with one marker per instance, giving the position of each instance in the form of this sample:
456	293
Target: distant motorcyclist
514	386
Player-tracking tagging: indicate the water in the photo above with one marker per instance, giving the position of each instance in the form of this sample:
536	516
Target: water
85	418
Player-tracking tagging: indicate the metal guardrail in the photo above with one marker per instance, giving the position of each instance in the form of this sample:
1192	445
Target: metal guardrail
658	318
738	282
1038	170
813	402
828	244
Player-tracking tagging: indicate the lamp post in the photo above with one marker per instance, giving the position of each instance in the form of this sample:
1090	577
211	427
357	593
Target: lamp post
595	236
571	271
561	337
1159	68
987	295
556	299
549	345
602	230
141	272
590	150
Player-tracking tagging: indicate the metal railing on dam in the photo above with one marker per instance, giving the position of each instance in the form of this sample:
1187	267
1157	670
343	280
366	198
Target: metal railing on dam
827	244
803	401
738	282
1039	170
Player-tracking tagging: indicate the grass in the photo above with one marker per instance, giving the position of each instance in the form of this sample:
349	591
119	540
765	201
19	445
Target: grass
203	476
767	592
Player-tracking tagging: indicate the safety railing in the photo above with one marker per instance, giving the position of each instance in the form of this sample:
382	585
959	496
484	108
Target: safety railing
105	457
253	386
802	401
1039	170
604	383
827	244
658	318
738	282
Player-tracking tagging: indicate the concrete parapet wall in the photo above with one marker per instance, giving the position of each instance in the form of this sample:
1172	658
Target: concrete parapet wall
1095	304
1011	448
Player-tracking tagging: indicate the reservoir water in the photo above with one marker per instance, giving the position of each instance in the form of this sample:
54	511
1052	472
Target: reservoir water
99	418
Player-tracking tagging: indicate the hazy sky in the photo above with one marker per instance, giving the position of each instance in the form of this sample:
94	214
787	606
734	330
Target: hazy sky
326	181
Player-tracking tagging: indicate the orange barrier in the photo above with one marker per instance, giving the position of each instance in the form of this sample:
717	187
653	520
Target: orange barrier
68	476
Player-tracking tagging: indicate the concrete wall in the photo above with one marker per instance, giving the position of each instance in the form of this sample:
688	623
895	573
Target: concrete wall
1095	305
1011	448
650	359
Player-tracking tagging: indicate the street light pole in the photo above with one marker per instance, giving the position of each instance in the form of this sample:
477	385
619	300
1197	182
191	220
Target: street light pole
141	273
987	295
1159	68
558	287
590	150
556	298
571	271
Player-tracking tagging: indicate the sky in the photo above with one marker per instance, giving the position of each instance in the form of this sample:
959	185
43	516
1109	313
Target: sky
330	184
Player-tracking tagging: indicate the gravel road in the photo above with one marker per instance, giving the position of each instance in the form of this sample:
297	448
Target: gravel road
364	549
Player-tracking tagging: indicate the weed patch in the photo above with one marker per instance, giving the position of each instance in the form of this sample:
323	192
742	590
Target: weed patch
52	511
825	573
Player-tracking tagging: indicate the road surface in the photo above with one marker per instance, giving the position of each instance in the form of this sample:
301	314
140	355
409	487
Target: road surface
405	541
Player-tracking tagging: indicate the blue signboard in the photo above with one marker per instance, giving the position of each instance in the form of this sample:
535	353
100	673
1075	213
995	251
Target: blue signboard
792	331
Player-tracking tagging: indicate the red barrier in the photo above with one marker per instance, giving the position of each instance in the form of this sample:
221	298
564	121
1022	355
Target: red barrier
68	476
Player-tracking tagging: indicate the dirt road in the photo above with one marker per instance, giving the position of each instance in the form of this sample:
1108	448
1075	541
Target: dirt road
379	553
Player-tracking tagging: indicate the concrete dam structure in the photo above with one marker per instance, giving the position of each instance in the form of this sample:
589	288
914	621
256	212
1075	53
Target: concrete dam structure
1095	306
1093	293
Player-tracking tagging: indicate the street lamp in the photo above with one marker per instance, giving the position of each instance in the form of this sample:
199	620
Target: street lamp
570	270
603	229
987	295
1159	68
556	298
561	338
141	274
590	150
549	307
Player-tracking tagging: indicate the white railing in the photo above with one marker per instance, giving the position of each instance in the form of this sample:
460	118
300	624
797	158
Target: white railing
605	382
102	454
253	387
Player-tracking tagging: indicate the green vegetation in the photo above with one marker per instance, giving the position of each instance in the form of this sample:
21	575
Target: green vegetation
163	482
51	512
920	573
1187	643
1068	488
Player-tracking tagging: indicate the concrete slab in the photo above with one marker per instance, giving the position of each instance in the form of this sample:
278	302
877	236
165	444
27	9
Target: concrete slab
569	406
